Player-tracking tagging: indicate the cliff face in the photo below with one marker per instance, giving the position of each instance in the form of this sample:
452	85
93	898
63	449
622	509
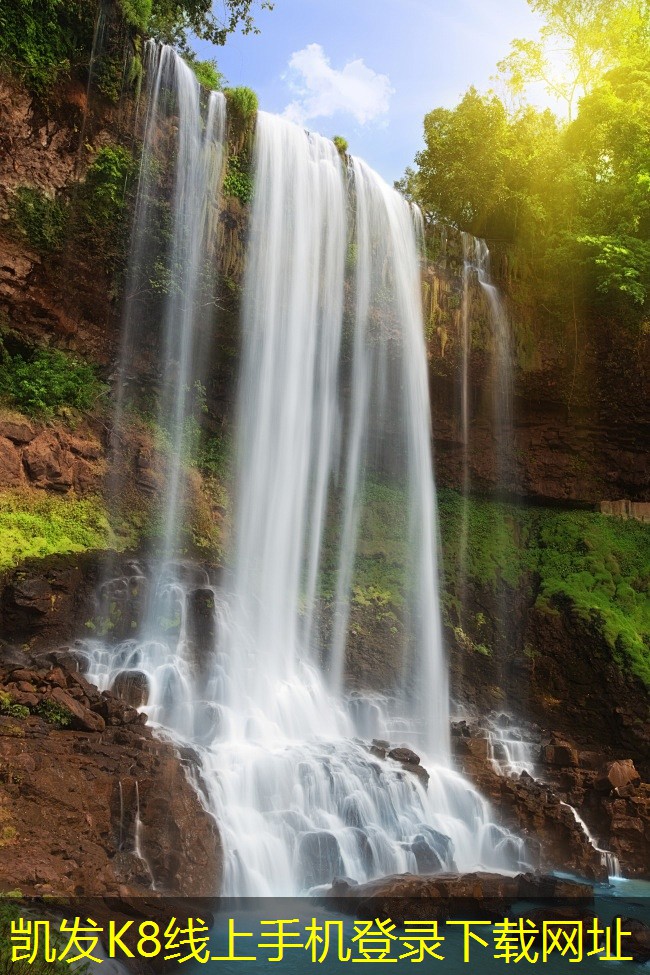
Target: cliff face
580	418
581	415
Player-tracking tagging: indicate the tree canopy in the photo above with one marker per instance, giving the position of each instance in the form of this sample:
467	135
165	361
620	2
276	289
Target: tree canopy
576	191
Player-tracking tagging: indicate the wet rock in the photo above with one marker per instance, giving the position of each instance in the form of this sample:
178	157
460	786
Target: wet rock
426	858
475	895
72	778
637	942
404	755
116	712
132	686
617	775
319	859
559	752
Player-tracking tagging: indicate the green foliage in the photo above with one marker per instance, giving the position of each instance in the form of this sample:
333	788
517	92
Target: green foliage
39	39
47	380
106	184
207	73
33	525
341	144
41	219
238	181
11	910
242	103
53	712
590	36
137	13
569	202
11	708
172	20
598	564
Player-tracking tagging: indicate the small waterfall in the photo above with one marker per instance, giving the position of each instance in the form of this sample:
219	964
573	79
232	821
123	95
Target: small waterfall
502	385
510	751
607	859
333	397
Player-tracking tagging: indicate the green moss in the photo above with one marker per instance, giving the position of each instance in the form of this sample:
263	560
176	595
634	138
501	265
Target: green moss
41	219
105	186
598	564
35	525
40	39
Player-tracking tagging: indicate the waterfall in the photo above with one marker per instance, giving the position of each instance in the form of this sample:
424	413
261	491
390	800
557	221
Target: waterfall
332	399
501	380
607	858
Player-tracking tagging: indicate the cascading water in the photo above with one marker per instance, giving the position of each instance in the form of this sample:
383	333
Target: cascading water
333	395
502	358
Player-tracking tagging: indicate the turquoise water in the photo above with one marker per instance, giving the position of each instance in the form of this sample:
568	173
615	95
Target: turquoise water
305	919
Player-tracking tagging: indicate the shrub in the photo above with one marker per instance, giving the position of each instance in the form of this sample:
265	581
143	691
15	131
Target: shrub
11	708
40	38
106	184
53	712
341	144
207	74
242	103
11	910
47	380
237	181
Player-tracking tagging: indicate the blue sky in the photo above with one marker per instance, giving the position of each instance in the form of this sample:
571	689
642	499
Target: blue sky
370	69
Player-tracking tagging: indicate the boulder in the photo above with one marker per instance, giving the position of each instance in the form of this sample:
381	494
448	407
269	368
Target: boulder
637	941
132	686
617	775
561	753
82	717
404	755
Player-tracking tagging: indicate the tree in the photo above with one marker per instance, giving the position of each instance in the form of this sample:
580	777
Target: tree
172	20
482	169
580	40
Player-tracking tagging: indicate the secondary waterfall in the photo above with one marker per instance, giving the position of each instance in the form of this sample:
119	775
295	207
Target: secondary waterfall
332	398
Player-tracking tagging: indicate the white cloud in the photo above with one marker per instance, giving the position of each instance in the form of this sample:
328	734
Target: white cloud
321	91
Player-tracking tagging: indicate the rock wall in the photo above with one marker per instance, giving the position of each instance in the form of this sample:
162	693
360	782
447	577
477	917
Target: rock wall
581	414
121	812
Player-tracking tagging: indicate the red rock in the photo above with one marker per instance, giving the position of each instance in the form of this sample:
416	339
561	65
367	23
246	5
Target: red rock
560	753
17	430
617	775
47	464
88	449
85	477
11	469
81	717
